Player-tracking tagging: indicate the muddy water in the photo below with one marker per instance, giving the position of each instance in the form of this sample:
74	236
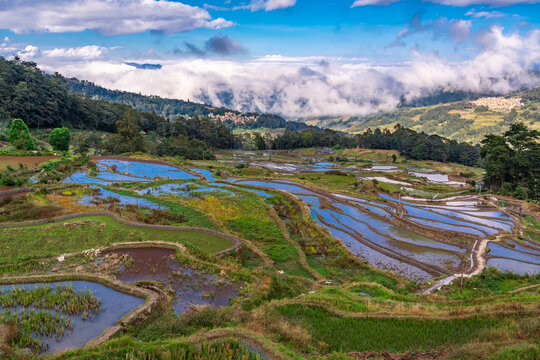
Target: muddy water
191	287
114	305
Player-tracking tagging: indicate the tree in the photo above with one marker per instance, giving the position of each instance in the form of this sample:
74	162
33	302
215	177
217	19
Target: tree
129	132
60	139
259	142
20	137
513	161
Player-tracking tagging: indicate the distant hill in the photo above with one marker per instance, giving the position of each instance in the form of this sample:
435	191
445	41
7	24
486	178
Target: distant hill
173	108
462	120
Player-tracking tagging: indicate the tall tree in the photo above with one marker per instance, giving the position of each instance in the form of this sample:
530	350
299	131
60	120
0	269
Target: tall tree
20	137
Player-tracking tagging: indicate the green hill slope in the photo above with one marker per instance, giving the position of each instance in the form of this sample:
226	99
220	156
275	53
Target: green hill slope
463	121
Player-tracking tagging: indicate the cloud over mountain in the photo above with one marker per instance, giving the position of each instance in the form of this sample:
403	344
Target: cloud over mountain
312	86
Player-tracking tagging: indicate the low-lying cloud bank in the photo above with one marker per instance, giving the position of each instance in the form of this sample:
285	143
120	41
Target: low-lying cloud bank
301	87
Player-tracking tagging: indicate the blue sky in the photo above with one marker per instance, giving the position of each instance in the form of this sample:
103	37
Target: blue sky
212	46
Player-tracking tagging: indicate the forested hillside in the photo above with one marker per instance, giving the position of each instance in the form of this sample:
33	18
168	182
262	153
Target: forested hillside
172	108
45	102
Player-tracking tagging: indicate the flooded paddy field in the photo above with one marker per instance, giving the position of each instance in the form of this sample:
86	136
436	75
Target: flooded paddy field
64	326
189	286
373	230
308	227
116	170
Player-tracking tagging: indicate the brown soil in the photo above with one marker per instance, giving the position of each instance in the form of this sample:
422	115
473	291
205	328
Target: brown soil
30	161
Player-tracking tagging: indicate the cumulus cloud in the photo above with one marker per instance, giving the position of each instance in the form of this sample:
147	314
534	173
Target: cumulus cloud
107	17
267	5
221	44
372	2
29	52
299	87
7	46
84	52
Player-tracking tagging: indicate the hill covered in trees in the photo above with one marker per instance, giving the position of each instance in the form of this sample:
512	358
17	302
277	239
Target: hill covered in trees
45	102
173	108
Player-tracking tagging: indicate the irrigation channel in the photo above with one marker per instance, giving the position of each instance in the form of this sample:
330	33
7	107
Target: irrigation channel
421	240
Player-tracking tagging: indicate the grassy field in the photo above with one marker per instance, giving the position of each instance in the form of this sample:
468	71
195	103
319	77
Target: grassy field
20	244
333	333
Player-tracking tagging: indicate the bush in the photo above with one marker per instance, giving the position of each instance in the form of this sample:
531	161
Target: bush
520	193
60	139
20	137
507	188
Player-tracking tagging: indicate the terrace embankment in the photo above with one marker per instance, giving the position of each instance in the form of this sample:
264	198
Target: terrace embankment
236	242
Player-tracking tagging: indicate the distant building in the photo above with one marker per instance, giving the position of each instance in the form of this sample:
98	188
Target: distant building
499	103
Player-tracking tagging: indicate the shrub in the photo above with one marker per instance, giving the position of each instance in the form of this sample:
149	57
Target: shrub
20	137
60	139
520	193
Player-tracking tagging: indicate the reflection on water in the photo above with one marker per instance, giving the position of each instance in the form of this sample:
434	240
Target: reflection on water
114	305
191	287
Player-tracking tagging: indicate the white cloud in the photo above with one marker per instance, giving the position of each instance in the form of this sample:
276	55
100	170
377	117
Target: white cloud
107	17
29	52
485	14
494	3
267	5
7	47
315	86
84	52
459	30
372	2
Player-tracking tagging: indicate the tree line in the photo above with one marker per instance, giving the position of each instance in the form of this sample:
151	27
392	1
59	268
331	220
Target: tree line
409	143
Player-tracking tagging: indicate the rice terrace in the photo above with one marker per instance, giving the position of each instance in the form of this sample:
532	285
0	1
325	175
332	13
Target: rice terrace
360	206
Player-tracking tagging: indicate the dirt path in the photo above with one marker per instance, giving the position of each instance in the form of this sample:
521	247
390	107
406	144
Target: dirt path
479	265
524	288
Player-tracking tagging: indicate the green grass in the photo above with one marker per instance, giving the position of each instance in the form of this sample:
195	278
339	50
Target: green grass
385	334
20	244
128	349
